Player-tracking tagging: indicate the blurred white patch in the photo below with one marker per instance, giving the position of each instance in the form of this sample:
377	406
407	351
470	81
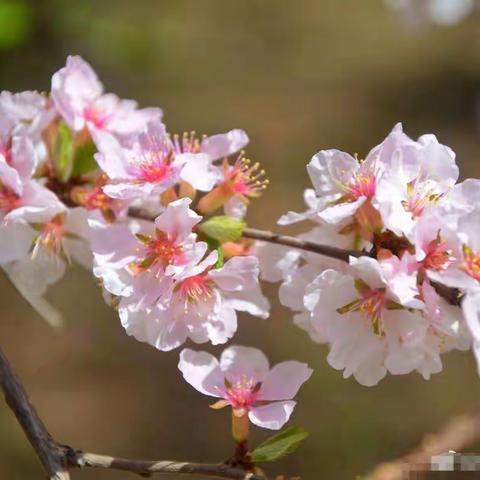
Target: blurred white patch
440	12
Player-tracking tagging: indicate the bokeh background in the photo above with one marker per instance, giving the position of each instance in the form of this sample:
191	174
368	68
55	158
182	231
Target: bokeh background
298	76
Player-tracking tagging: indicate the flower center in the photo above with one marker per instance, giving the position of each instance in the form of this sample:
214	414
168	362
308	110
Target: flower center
242	393
153	167
187	143
51	236
245	179
371	305
195	289
419	198
158	251
472	262
362	184
438	257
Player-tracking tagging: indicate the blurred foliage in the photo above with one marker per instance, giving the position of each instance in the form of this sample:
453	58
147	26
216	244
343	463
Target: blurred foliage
15	23
298	76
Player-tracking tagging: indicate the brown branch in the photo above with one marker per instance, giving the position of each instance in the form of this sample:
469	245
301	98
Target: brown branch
307	245
50	454
460	432
145	467
57	459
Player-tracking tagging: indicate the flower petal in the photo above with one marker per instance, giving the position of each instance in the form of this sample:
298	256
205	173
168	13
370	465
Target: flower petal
284	380
273	416
202	371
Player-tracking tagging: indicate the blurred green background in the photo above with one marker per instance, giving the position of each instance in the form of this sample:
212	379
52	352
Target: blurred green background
298	76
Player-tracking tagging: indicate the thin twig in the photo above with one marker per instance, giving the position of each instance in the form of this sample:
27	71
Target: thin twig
58	459
460	432
307	245
145	467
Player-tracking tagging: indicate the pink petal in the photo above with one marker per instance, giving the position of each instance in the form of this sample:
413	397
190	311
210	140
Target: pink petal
284	380
74	87
201	370
160	331
273	416
15	241
24	157
223	145
471	311
178	220
198	171
237	361
237	274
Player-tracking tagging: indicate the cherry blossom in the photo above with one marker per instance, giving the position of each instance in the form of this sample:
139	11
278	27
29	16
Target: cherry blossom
145	168
80	100
202	305
24	114
242	379
139	260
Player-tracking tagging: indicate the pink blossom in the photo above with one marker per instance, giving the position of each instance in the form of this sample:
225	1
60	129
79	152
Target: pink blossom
23	114
197	157
139	260
22	202
415	183
79	98
145	168
346	187
369	333
243	379
237	185
202	305
463	267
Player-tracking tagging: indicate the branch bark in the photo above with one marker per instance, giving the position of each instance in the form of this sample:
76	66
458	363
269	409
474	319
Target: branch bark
57	459
49	453
146	467
327	250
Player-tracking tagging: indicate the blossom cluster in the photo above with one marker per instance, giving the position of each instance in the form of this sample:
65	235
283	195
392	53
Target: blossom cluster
410	290
88	177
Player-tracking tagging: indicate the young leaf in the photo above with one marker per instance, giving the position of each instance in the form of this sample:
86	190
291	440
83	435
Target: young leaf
214	245
64	152
83	161
221	258
223	228
280	445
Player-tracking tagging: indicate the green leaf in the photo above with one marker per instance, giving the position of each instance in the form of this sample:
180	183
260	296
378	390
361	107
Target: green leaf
280	445
64	153
223	228
83	161
214	245
221	259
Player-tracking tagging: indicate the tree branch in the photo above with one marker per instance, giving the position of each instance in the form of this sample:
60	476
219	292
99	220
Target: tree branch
57	459
145	467
459	432
307	245
49	453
